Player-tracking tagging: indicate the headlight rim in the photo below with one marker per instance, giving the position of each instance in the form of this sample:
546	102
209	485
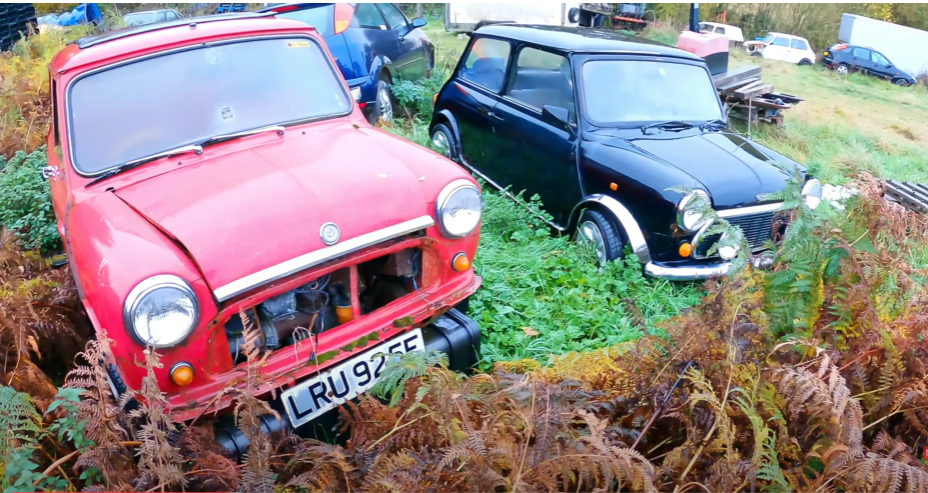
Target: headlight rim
148	286
807	187
446	193
681	209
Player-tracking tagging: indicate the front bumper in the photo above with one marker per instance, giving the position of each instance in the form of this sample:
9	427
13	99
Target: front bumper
693	272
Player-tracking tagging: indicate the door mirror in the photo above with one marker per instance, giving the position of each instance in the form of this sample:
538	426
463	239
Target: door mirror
556	116
419	22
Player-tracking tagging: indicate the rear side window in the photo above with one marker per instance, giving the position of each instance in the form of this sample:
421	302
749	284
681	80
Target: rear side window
862	53
172	15
780	42
319	17
368	17
161	17
720	30
798	44
486	63
395	19
879	59
542	78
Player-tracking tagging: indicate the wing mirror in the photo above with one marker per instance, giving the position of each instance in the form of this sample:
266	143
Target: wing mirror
556	117
419	22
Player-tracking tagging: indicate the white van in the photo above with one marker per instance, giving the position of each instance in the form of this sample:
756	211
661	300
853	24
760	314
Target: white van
464	17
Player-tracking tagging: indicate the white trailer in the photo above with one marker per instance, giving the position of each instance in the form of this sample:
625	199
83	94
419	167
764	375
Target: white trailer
464	17
906	47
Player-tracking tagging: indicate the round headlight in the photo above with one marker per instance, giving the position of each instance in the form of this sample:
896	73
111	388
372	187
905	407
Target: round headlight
458	209
689	211
161	311
812	193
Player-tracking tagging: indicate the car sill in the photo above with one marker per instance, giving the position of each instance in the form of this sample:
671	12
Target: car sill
320	256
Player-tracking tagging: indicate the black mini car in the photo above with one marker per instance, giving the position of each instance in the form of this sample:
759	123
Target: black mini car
844	58
602	126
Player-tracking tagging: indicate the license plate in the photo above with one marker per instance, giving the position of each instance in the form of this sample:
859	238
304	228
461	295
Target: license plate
313	397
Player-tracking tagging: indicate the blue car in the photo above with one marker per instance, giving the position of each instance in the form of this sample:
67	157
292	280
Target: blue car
372	43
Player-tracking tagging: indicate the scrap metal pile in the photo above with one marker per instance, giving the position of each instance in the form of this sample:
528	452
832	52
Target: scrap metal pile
750	98
912	196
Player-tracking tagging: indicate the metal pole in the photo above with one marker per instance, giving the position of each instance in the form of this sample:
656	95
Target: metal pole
694	17
418	10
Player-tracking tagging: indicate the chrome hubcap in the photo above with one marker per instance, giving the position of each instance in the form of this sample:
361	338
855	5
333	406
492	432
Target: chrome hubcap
386	106
841	70
441	143
591	236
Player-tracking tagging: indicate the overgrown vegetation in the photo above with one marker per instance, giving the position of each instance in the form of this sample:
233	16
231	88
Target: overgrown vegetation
25	201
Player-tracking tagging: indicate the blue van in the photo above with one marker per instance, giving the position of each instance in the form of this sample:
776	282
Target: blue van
372	44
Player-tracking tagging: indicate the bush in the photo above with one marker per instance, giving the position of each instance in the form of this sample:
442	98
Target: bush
25	201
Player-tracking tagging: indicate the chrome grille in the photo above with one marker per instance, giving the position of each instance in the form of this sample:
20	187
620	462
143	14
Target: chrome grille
758	228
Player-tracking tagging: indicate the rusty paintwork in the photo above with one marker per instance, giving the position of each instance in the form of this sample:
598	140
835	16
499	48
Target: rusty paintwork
173	216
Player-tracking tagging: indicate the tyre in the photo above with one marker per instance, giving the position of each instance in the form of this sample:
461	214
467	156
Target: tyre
601	234
842	69
573	15
804	62
443	140
383	102
901	82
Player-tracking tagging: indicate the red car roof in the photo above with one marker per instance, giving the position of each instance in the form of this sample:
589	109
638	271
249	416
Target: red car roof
131	42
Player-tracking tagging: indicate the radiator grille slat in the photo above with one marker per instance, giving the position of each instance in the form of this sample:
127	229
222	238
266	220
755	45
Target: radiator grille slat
758	229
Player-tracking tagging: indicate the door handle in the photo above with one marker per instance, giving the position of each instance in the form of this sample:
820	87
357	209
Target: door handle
494	116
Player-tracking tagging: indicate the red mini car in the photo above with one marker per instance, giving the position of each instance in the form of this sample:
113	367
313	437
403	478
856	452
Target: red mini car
213	167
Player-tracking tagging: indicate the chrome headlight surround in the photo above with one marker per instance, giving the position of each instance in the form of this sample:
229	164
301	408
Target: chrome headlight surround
459	209
688	217
166	286
811	193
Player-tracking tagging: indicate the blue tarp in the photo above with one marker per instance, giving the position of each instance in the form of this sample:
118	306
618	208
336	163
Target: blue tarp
85	13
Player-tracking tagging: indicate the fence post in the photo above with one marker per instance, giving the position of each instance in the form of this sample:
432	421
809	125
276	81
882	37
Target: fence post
418	9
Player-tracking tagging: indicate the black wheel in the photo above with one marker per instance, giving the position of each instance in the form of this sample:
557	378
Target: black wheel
383	102
573	15
601	234
842	69
443	140
804	62
901	82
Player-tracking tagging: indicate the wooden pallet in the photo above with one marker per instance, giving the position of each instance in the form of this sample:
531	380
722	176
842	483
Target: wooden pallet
912	196
750	98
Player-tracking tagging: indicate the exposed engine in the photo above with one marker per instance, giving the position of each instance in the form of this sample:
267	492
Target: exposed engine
326	302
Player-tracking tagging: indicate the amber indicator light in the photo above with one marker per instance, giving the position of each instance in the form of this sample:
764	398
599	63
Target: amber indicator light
460	262
182	373
685	250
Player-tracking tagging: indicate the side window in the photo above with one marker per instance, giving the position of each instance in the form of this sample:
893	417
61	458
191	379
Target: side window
160	17
368	17
720	30
862	53
780	42
879	59
171	15
798	44
395	19
541	78
486	63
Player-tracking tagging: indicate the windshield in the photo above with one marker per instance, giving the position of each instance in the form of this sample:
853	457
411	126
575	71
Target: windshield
767	39
318	17
135	110
637	91
139	19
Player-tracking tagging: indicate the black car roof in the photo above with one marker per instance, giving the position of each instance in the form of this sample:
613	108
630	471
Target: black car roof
581	39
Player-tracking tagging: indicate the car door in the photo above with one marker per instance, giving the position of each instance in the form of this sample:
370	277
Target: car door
410	59
534	155
52	171
369	30
799	50
860	59
881	65
778	49
479	80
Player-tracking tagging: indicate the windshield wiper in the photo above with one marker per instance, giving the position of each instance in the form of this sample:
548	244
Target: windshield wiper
222	138
668	125
716	124
147	159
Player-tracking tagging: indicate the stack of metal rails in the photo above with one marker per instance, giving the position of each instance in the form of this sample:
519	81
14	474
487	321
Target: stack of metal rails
751	99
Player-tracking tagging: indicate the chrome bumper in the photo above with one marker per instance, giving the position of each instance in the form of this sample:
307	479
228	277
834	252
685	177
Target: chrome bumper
696	272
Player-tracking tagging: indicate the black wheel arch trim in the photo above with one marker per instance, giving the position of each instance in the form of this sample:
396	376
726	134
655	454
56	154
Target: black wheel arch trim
452	124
